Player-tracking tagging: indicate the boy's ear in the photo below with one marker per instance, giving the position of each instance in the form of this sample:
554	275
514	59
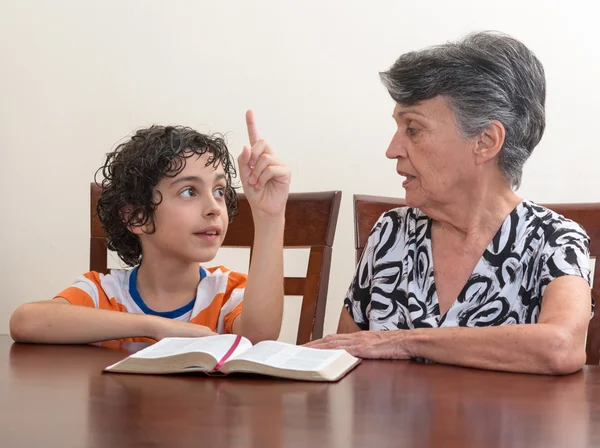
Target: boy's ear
126	212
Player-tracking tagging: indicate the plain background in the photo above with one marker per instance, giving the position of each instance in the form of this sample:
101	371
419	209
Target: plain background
77	77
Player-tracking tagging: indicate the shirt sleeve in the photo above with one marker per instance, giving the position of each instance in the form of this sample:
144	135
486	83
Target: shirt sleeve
232	306
84	291
567	252
358	297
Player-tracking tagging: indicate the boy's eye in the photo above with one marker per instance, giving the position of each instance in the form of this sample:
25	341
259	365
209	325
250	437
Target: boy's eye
219	192
187	193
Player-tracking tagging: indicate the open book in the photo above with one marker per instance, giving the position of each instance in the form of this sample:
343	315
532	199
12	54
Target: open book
230	353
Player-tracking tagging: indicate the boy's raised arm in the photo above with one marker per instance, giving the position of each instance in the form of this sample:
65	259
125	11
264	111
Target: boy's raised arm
266	183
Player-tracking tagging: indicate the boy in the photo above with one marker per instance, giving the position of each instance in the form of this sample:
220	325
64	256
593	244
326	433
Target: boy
166	203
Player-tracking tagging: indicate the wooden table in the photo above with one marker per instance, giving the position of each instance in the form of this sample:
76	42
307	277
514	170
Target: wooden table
56	396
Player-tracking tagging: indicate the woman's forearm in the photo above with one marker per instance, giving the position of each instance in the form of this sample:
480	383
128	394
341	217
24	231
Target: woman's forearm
533	348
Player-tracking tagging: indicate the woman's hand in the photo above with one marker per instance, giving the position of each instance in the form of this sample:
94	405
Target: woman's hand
368	344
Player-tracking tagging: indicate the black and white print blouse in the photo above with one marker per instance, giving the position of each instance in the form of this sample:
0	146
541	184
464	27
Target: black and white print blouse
394	288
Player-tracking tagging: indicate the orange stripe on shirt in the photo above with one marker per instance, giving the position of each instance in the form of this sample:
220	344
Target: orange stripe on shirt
235	280
76	296
230	317
210	316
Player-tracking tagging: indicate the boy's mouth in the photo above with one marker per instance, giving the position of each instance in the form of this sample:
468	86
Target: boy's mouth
210	233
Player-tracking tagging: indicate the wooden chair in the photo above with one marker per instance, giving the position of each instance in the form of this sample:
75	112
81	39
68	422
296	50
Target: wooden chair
311	220
367	209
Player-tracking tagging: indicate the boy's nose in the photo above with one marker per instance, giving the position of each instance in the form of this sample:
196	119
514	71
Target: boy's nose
211	206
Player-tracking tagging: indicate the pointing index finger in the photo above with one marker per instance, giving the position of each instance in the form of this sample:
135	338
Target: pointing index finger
252	131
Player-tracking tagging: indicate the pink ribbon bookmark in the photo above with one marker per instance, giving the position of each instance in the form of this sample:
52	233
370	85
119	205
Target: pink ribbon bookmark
229	353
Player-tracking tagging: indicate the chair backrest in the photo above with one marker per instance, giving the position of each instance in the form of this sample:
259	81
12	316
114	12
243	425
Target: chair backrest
310	222
367	209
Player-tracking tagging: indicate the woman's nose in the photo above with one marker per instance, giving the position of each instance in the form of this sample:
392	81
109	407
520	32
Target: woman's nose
396	148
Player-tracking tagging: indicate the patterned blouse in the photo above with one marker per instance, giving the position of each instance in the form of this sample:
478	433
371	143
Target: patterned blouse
394	287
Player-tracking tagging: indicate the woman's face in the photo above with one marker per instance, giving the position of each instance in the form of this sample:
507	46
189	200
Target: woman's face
436	160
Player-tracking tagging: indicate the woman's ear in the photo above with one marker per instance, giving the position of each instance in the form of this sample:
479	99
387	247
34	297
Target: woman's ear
490	142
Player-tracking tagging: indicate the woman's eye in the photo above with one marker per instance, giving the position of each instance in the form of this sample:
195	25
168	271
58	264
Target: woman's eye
187	193
220	192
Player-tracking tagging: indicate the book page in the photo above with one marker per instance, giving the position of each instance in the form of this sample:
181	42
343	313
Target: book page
288	356
216	346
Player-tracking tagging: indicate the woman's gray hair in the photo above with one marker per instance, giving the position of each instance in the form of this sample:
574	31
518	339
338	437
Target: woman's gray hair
485	76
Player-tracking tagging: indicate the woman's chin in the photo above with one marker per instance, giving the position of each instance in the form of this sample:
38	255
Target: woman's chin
412	200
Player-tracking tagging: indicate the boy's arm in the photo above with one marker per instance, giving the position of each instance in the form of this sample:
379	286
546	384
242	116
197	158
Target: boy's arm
263	297
266	182
58	322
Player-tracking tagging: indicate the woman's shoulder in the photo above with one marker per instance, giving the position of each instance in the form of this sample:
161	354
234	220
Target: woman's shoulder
400	224
552	221
553	230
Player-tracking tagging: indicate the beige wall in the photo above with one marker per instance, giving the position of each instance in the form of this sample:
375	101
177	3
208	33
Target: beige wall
78	76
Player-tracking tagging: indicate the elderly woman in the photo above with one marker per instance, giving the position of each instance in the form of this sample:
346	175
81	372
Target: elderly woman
469	273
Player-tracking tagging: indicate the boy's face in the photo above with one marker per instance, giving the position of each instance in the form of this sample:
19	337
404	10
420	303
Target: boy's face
191	221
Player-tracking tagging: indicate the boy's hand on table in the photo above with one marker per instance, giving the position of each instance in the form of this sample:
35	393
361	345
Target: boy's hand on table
160	327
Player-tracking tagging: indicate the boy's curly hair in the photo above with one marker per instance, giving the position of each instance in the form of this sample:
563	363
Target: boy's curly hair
135	167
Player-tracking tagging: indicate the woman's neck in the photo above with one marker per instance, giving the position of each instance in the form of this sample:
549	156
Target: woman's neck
479	211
